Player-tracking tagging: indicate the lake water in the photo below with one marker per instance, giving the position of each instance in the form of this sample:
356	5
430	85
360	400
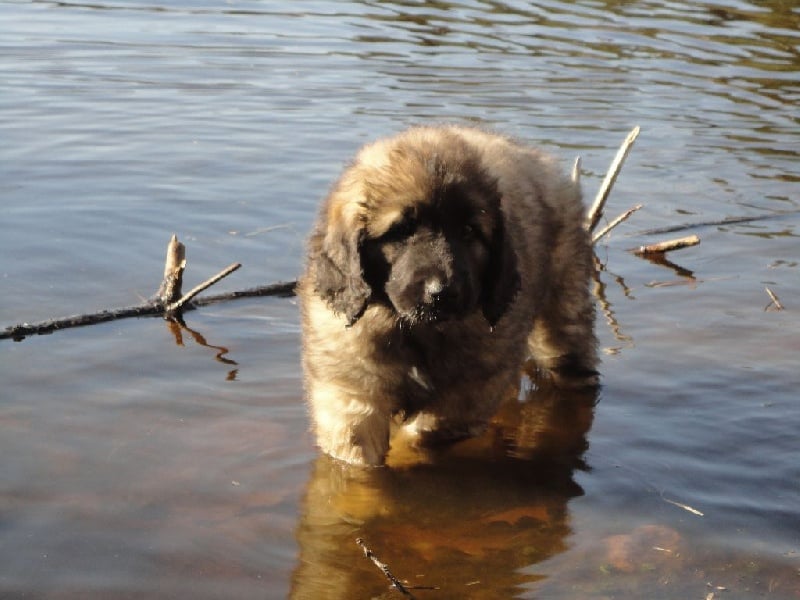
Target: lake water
143	461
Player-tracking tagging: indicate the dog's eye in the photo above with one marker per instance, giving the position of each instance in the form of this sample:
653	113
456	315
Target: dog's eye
400	230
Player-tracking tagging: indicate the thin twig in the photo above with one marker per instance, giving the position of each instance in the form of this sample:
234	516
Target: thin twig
667	246
576	171
384	568
596	211
720	222
685	507
775	302
283	289
623	217
175	306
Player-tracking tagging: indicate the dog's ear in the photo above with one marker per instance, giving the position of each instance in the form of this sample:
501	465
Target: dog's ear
501	281
338	275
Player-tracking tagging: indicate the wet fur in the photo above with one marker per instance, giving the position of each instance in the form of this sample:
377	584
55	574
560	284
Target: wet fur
442	259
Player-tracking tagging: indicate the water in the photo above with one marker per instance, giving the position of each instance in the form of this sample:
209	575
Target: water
144	462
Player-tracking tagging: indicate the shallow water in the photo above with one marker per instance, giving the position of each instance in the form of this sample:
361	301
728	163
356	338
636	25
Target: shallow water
141	461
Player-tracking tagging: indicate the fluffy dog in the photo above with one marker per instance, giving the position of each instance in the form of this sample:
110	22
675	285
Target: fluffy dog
441	260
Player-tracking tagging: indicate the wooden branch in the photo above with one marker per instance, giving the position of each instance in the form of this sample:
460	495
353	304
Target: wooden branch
596	211
168	301
147	309
620	219
19	332
174	265
775	302
384	569
667	246
179	304
283	289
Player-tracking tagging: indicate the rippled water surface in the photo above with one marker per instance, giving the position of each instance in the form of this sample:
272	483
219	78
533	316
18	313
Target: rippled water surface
143	461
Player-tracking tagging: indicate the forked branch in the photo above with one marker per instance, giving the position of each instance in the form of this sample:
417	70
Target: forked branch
168	301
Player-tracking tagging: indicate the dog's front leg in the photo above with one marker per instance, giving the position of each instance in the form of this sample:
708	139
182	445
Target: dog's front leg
350	429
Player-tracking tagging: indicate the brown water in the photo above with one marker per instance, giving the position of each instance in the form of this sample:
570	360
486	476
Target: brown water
143	461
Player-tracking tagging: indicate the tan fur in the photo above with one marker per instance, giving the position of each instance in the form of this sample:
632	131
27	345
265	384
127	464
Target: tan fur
366	367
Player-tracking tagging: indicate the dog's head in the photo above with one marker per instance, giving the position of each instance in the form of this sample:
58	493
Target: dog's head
416	224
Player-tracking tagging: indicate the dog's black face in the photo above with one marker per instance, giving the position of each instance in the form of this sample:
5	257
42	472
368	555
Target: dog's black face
430	264
425	237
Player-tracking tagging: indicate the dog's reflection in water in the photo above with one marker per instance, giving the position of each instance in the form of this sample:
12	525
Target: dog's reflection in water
466	518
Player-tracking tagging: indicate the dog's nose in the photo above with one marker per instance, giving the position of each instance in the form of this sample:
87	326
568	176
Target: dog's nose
433	288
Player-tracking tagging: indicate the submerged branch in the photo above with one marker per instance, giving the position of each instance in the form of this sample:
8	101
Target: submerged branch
720	222
775	303
384	569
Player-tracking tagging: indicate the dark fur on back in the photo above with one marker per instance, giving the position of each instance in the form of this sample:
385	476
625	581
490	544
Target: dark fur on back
440	260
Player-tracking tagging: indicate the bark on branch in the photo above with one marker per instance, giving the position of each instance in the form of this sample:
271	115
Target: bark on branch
668	245
174	265
168	301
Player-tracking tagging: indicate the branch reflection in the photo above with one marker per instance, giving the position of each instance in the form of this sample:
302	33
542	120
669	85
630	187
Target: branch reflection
177	326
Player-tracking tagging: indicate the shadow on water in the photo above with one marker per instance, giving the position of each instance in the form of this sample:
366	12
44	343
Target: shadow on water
465	519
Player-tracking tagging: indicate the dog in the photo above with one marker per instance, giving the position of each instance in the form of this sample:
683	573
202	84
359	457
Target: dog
441	260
